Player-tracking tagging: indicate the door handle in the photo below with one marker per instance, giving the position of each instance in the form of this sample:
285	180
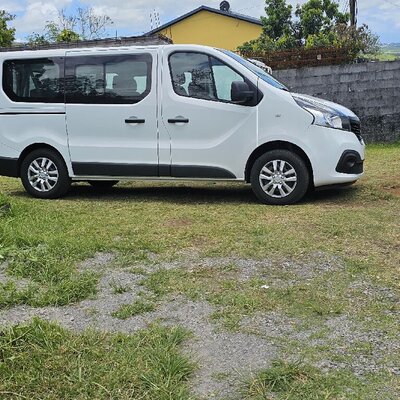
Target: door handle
178	121
135	120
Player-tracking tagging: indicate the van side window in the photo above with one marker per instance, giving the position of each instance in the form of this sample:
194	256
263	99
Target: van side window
200	76
110	79
223	77
192	75
34	80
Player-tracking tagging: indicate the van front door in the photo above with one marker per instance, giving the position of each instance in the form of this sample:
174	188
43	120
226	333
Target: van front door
112	112
211	137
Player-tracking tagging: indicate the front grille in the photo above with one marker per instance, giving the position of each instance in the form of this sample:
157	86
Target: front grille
355	126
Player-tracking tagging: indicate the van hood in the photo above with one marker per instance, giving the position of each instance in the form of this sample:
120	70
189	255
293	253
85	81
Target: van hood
325	104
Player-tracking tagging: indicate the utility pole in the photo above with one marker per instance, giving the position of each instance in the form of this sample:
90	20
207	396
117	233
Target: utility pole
353	13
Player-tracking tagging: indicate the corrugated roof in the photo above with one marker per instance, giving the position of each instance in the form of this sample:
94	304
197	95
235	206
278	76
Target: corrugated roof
110	42
230	14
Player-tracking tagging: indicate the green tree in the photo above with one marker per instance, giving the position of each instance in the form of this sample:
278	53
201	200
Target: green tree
319	16
316	23
37	40
358	42
82	25
279	19
7	35
66	35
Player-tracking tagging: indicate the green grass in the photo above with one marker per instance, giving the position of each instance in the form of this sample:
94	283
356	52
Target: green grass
43	242
118	288
136	308
324	295
297	381
386	56
42	361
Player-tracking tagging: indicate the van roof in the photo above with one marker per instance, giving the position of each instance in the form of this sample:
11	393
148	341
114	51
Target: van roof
154	40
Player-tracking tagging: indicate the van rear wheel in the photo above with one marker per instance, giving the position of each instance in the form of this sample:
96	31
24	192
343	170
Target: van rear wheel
279	177
44	174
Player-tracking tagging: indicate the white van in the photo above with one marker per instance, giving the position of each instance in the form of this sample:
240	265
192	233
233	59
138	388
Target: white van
167	112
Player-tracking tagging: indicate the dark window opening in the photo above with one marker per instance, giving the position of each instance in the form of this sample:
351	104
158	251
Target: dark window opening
108	79
34	80
200	76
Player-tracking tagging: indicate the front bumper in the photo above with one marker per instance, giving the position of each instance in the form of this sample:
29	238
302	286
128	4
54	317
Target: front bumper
350	163
336	156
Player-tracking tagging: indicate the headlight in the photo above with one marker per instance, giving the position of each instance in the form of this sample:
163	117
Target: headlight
329	119
325	116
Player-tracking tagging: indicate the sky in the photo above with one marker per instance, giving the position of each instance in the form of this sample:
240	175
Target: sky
132	17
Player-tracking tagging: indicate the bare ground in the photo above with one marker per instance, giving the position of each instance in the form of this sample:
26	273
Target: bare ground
225	359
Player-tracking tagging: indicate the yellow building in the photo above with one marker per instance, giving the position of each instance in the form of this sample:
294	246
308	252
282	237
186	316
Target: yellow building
211	27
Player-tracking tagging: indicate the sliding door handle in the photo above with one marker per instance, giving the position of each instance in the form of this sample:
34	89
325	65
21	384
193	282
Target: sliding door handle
135	120
178	121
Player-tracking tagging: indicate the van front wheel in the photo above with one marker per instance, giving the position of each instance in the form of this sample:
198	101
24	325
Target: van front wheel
44	174
279	177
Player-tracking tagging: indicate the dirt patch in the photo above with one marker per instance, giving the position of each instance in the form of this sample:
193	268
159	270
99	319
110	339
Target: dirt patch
4	278
225	359
273	325
92	313
394	190
347	335
372	291
179	222
97	263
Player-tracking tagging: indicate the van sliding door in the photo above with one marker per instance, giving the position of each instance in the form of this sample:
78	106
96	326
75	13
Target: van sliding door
111	105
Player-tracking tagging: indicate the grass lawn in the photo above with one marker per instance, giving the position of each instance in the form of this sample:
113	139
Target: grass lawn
43	361
42	244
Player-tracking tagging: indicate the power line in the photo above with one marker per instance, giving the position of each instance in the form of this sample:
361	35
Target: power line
250	7
344	5
393	4
347	6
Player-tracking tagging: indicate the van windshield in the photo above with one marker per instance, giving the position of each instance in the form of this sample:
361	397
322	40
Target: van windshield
256	70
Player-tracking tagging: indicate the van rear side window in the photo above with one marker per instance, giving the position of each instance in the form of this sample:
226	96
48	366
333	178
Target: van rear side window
34	80
108	79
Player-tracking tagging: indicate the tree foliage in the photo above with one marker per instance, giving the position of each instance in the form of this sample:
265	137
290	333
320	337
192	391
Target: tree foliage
7	34
319	16
316	23
85	24
278	20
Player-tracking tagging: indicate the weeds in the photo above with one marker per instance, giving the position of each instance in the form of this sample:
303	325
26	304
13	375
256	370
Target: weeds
42	360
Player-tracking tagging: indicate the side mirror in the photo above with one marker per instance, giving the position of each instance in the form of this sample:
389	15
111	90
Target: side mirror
240	92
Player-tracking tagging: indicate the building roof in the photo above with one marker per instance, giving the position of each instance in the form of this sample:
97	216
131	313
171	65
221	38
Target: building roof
148	40
230	14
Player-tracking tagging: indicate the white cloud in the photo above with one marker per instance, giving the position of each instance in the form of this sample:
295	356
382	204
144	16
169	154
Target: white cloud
35	17
135	14
36	13
11	6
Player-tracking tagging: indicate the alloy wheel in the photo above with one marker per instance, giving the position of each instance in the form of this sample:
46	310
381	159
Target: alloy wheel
278	179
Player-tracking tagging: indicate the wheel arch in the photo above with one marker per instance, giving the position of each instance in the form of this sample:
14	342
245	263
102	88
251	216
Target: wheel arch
36	146
277	145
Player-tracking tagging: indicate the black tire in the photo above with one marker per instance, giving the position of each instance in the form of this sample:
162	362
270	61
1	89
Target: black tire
49	189
282	187
103	185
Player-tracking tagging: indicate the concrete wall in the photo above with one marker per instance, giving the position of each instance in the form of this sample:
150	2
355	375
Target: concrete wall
371	90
